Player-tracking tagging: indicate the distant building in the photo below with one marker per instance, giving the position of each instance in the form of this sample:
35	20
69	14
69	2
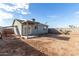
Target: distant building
28	27
1	28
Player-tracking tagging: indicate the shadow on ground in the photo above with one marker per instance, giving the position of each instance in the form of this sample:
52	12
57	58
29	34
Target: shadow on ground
57	36
14	47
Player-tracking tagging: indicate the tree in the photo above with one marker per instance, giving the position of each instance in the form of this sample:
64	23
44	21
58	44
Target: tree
72	26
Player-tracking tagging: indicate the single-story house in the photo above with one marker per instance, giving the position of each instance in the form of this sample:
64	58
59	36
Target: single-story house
24	28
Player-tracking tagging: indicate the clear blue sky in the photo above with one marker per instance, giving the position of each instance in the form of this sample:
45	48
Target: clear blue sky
53	14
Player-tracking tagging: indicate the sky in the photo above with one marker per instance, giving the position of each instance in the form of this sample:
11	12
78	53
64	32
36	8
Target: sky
52	14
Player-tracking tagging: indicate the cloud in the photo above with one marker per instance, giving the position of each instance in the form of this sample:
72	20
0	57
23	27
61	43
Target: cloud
4	16
77	12
6	9
11	8
19	7
14	1
24	13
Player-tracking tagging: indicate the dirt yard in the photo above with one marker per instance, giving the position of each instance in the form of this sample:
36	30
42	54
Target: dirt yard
45	45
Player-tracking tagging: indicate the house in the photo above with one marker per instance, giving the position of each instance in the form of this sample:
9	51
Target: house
24	28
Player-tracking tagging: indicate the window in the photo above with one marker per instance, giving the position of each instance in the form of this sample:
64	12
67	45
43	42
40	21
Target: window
36	27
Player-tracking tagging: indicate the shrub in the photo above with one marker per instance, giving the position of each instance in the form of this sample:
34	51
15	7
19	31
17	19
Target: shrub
66	32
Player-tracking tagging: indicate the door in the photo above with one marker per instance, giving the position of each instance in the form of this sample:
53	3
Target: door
29	30
26	30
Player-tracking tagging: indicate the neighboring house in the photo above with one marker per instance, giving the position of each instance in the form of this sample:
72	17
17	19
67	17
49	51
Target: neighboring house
1	28
28	27
6	31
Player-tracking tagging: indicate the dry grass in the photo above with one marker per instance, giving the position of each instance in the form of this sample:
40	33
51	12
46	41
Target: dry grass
49	45
13	46
56	44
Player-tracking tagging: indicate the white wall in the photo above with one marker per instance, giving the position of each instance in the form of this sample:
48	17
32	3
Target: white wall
28	29
19	28
40	29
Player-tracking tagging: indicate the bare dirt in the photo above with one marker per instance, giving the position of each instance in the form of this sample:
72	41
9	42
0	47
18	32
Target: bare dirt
45	45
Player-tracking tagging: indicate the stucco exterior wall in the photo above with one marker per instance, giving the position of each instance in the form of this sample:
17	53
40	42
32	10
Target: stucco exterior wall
22	29
18	29
39	30
27	29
